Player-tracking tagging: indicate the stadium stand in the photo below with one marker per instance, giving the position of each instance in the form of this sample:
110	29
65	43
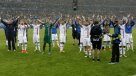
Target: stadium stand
44	7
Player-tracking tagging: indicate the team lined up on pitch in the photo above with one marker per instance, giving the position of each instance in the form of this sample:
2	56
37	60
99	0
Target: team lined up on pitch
91	32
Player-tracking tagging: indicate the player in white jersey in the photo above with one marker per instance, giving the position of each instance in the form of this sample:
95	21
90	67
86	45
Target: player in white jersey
23	36
123	40
106	31
86	27
86	39
62	28
36	35
18	37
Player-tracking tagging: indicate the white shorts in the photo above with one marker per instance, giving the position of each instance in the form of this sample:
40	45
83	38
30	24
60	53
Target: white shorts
19	36
62	38
129	38
81	39
86	42
123	42
54	37
36	38
22	39
106	38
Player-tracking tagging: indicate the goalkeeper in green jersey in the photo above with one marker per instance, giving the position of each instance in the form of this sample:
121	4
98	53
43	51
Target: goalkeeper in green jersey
47	36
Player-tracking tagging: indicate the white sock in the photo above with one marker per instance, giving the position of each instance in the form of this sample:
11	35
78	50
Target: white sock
124	51
39	46
132	46
25	46
61	47
127	47
109	45
104	45
84	49
81	47
18	44
22	46
86	53
90	53
121	50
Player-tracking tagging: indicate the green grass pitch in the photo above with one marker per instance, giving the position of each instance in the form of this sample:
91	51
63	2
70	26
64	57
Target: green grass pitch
70	63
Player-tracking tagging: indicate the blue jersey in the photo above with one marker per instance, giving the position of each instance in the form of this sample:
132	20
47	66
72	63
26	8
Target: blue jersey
54	29
78	29
116	35
128	27
116	30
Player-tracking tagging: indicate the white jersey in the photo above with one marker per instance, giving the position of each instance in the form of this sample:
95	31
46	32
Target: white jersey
106	37
123	35
22	34
86	35
62	33
36	33
62	29
86	31
22	30
36	29
122	31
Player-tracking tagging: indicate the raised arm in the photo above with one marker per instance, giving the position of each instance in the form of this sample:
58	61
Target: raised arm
15	22
132	23
56	21
41	21
2	25
2	21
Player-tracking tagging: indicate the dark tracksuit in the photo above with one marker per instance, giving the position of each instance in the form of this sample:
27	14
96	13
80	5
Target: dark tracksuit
96	39
115	44
74	32
16	27
10	33
78	31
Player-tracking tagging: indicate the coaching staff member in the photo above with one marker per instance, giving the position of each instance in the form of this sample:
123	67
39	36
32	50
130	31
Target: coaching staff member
96	39
10	32
115	43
